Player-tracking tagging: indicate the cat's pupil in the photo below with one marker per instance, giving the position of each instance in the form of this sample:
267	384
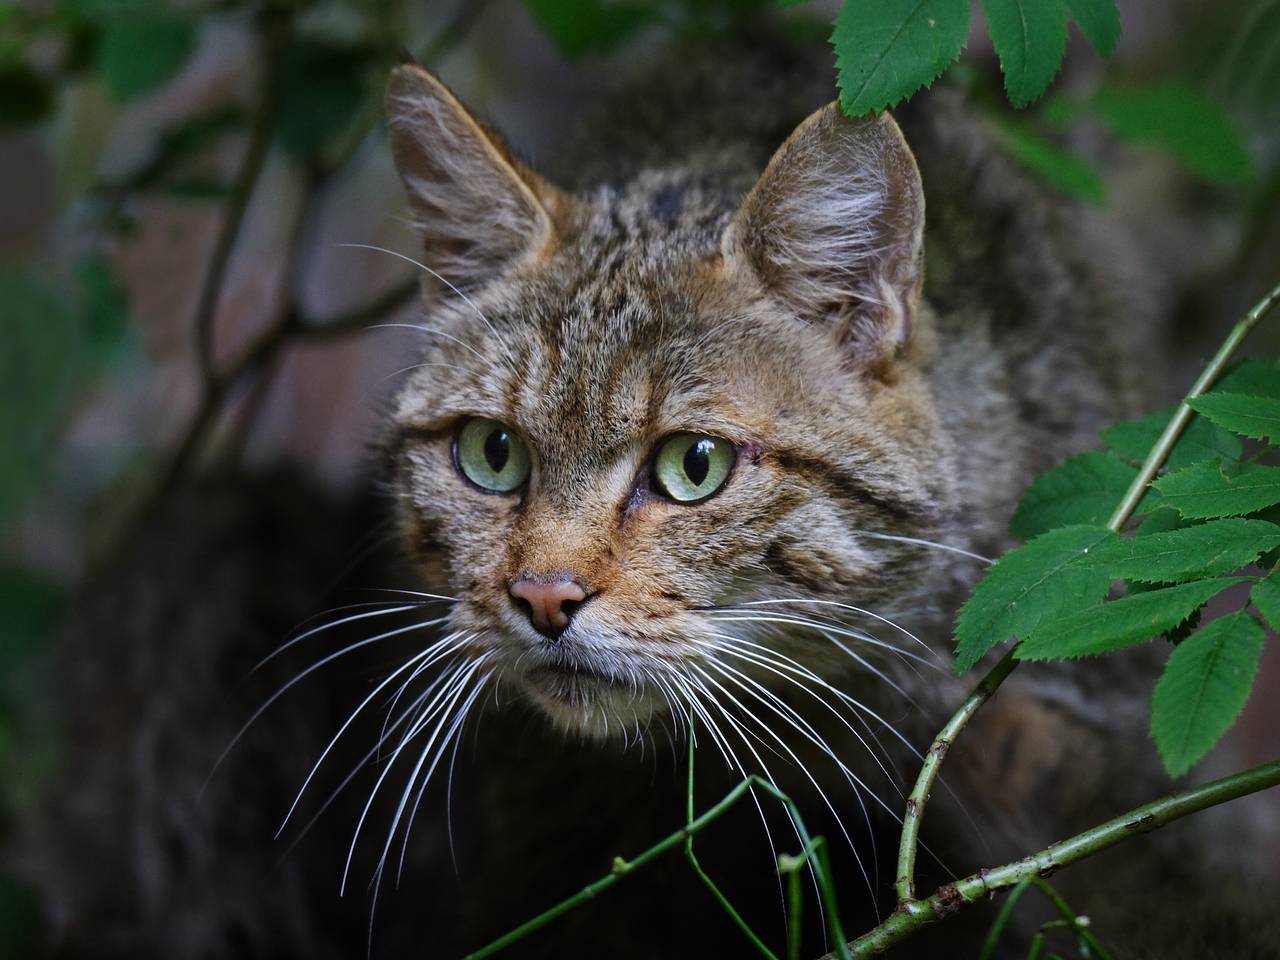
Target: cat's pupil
497	450
697	461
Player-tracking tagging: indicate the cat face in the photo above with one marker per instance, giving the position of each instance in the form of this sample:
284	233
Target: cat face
644	415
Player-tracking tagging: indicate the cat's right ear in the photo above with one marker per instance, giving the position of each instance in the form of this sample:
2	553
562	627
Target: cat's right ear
834	228
478	210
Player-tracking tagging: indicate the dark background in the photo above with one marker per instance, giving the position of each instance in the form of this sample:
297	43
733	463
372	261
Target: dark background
175	179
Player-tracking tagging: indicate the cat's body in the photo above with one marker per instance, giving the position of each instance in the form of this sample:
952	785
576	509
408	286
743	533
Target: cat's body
645	300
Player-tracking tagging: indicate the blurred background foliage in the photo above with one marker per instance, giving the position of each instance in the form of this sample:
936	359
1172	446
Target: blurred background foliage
175	176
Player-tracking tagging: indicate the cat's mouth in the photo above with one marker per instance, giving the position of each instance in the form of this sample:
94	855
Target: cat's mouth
571	683
586	699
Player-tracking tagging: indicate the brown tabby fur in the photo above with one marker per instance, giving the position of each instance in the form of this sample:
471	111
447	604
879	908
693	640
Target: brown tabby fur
896	330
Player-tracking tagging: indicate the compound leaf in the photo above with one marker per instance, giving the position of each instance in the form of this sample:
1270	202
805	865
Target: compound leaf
1266	597
1203	689
886	50
1040	581
578	27
1205	550
1180	120
1069	172
139	53
1120	623
1204	490
1030	39
1099	21
1084	489
1202	440
1258	378
1257	417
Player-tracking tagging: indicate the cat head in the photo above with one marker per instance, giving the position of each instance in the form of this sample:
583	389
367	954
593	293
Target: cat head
645	413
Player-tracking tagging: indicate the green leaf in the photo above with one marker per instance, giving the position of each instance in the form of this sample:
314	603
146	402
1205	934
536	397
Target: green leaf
138	54
1120	623
1030	39
1069	172
1085	489
1205	550
1257	417
1159	521
30	606
26	97
1099	21
1258	378
40	367
322	85
579	27
1204	490
886	50
104	302
1203	689
1266	597
1040	581
1202	440
1177	119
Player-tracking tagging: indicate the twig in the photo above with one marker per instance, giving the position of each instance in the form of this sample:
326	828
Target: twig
932	764
812	849
242	187
710	884
217	384
912	915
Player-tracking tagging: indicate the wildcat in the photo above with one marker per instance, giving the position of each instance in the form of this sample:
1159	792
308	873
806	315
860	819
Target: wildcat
713	428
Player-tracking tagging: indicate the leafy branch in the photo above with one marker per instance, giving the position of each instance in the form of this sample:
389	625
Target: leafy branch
914	914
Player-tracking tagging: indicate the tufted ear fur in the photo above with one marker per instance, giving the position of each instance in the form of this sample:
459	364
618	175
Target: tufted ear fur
479	211
834	227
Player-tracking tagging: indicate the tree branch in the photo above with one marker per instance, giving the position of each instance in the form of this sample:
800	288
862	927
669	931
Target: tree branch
909	840
914	914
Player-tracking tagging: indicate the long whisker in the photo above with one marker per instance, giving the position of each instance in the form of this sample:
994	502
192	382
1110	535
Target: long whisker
743	735
440	702
299	678
729	648
843	606
441	648
924	543
401	608
822	745
797	621
461	296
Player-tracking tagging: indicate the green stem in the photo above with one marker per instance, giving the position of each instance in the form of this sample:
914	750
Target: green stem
1173	430
929	767
904	883
1070	919
620	869
813	850
914	914
1002	920
795	904
716	892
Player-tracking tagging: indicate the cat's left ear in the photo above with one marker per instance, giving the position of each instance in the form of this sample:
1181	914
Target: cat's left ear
835	228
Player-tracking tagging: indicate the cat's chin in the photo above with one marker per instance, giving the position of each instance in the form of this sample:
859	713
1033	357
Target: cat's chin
588	703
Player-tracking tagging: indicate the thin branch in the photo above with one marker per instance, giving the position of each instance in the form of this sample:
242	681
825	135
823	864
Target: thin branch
812	849
909	841
912	915
242	188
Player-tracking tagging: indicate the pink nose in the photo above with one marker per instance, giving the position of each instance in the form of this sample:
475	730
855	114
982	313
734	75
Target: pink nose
549	604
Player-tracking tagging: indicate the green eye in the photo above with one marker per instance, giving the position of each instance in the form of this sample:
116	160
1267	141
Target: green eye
691	466
491	456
